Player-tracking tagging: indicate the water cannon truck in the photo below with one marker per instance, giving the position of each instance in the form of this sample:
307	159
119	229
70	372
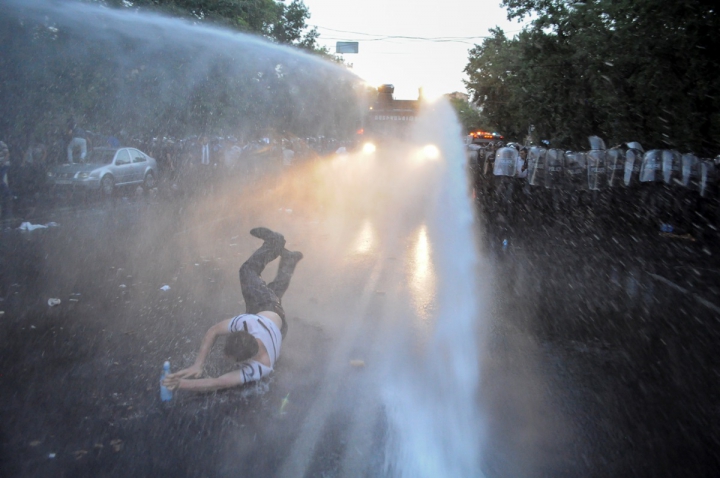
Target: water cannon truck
387	118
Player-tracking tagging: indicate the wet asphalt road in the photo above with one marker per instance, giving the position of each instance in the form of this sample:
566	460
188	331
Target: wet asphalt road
598	359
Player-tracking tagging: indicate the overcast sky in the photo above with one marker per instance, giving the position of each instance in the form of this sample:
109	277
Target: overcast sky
409	64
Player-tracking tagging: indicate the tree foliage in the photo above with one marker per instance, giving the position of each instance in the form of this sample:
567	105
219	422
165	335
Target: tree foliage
626	70
469	116
284	23
148	76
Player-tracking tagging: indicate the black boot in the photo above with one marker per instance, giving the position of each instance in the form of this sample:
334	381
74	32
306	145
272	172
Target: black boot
271	237
288	261
291	257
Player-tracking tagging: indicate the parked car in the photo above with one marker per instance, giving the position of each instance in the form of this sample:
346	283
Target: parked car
105	169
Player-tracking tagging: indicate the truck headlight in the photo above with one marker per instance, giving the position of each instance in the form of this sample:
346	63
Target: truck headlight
431	151
368	148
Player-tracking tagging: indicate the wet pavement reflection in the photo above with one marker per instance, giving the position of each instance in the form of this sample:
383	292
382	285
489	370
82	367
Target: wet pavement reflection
421	275
624	323
596	355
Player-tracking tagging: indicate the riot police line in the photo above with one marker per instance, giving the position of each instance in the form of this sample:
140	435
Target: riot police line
660	187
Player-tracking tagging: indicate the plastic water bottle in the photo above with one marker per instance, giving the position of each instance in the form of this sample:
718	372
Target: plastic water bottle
165	393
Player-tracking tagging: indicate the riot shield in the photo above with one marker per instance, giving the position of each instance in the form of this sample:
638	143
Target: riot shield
689	170
554	160
536	166
651	169
615	167
505	162
707	179
472	152
671	166
596	169
575	170
633	165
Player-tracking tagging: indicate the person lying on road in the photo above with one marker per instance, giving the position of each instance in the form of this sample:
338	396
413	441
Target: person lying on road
255	338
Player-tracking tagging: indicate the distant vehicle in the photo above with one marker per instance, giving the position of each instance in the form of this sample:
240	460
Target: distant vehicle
105	169
388	118
483	137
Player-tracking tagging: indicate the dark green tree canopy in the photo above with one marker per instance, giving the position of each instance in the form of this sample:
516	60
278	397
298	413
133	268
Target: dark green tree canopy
469	116
147	75
284	23
626	70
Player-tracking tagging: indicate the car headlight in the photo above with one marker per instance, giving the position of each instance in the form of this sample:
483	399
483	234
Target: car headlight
368	148
82	175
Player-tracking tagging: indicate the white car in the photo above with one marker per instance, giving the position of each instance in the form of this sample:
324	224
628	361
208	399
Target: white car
106	168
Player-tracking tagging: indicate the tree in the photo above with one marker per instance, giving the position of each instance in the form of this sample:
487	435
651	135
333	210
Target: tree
469	116
627	70
148	77
279	22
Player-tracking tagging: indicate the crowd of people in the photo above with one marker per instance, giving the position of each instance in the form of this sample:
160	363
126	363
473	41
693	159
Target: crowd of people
231	154
660	189
181	161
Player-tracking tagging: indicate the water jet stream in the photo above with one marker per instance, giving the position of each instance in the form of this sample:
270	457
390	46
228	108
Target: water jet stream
387	236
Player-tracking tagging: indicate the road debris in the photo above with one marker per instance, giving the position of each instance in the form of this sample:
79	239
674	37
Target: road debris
53	302
284	403
27	226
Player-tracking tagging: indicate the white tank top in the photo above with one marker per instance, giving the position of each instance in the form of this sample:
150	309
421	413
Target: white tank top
261	328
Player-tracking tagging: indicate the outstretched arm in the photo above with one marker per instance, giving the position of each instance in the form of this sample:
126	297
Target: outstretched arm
228	380
221	328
